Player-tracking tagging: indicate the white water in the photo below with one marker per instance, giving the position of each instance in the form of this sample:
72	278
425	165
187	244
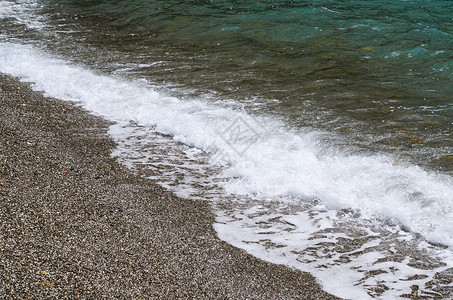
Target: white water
272	172
261	159
265	158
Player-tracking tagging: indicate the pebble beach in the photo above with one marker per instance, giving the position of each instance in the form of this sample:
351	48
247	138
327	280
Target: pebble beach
76	224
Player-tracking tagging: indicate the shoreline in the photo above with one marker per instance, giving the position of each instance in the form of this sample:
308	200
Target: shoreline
77	224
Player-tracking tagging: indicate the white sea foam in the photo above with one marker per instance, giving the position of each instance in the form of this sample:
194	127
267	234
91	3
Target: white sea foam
261	158
352	258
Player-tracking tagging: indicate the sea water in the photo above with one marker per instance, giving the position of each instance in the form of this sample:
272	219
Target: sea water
320	131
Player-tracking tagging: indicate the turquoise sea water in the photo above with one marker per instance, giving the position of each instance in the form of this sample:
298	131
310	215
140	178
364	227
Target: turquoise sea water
379	73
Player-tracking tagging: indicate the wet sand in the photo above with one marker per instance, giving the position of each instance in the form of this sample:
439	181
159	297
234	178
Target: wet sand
76	224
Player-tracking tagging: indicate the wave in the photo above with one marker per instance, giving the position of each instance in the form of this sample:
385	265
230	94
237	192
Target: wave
257	156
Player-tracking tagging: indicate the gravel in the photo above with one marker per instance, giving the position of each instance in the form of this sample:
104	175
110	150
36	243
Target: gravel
76	224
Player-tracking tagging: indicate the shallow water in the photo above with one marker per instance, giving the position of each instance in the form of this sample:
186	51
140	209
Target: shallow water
379	73
321	131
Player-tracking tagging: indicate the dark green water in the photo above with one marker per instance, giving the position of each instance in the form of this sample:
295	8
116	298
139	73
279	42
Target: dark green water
378	73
